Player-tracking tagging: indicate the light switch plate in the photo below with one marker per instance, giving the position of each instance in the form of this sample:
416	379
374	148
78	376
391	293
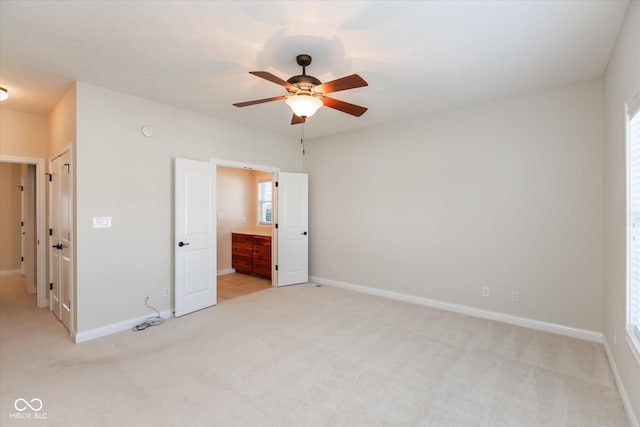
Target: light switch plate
101	222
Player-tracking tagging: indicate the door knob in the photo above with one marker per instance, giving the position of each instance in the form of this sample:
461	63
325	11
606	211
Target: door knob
58	246
304	233
181	244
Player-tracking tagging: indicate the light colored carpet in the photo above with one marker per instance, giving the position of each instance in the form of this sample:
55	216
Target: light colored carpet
303	356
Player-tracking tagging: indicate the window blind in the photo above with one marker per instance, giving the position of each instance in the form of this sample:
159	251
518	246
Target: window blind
633	218
264	202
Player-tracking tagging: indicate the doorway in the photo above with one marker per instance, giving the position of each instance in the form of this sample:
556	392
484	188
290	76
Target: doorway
30	189
244	214
195	234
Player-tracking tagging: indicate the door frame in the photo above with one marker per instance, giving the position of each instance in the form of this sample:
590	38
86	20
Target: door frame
42	297
274	204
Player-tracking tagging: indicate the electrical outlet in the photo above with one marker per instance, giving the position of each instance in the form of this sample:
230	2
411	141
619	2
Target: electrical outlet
515	297
485	291
166	291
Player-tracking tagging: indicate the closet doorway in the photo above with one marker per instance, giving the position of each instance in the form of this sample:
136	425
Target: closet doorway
29	223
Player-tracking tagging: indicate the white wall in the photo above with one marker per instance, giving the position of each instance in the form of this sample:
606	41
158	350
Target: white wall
62	127
622	80
506	194
122	174
23	134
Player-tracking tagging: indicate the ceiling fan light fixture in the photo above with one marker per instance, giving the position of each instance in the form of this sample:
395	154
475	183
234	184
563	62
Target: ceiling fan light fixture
304	105
4	94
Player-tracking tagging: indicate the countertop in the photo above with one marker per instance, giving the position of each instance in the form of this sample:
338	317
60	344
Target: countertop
254	231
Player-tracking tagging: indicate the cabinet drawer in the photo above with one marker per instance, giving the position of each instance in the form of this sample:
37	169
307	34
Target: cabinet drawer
262	267
262	252
241	249
262	240
242	264
241	238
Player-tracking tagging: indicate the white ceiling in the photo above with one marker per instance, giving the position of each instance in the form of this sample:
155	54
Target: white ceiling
417	56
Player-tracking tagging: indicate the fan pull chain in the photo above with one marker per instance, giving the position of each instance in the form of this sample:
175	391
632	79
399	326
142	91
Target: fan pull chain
302	137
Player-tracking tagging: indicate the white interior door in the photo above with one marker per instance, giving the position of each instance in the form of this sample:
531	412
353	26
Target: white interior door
293	222
195	236
54	241
60	226
23	215
64	226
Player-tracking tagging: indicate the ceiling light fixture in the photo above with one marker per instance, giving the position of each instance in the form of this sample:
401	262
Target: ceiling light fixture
4	94
304	105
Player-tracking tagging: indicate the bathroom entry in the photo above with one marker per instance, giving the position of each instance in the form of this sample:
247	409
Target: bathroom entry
244	230
196	232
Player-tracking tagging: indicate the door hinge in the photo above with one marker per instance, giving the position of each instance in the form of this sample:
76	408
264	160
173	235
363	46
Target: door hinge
276	267
276	225
21	187
21	259
50	176
51	232
276	183
21	223
50	286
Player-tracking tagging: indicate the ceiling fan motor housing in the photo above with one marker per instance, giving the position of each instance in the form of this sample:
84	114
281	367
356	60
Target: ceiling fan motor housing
303	81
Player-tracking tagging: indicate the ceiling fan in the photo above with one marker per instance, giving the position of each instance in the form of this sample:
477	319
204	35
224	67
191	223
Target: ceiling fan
307	93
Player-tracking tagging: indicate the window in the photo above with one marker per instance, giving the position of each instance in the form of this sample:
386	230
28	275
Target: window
633	223
264	202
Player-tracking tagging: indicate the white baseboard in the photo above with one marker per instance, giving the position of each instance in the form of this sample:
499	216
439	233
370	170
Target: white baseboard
469	311
621	390
116	327
11	273
226	271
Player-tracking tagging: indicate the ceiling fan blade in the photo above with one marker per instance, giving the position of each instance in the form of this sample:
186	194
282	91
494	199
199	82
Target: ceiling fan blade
259	101
349	82
274	79
296	120
345	107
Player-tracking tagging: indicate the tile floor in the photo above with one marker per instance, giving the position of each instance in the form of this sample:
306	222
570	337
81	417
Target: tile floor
237	284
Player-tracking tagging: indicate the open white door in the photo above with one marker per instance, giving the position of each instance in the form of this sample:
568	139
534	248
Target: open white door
55	296
65	224
293	221
60	239
195	236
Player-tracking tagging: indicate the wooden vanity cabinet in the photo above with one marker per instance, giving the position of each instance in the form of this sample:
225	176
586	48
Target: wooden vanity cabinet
242	253
262	256
251	254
